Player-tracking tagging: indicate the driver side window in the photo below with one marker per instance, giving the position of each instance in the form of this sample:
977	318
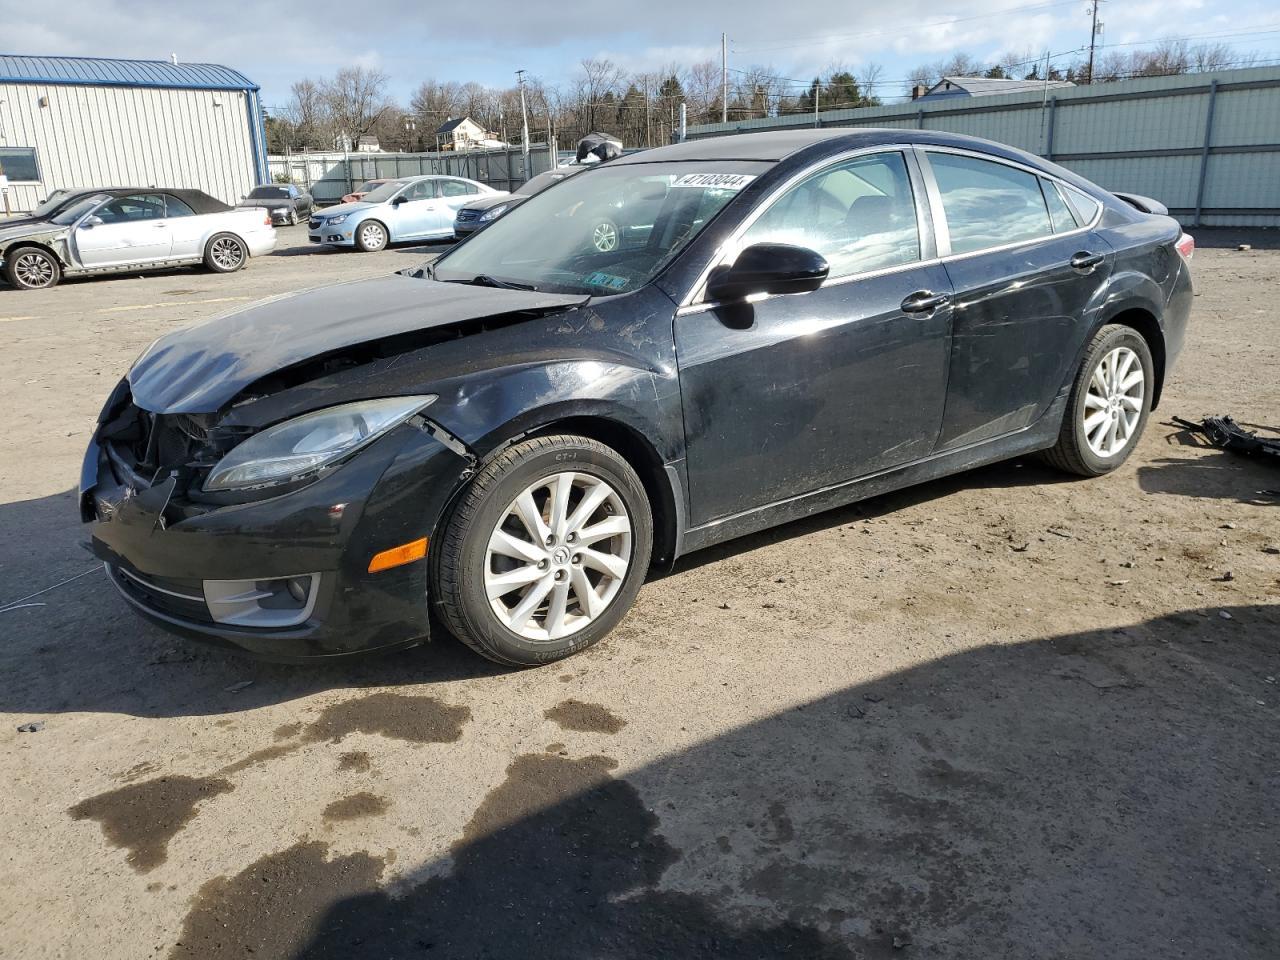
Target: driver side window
860	214
126	209
422	190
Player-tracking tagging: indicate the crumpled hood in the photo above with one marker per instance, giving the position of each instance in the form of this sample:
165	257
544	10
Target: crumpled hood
29	228
201	369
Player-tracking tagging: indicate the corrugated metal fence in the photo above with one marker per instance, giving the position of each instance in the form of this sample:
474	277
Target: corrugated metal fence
1206	145
328	176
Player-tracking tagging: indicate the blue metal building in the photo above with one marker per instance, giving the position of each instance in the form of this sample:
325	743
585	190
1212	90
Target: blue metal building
87	122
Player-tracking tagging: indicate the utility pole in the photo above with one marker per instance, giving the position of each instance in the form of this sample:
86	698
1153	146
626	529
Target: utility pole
1094	28
816	91
524	128
724	78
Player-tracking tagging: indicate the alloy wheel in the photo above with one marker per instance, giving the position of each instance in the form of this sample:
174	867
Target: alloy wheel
33	270
558	556
605	237
1113	402
227	253
372	236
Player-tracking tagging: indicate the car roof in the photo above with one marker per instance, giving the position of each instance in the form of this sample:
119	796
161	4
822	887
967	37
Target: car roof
776	145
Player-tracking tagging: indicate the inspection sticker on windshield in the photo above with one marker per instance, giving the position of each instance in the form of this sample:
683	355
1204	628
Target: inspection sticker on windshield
716	181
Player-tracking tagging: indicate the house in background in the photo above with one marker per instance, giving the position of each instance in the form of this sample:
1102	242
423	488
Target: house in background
981	87
463	133
368	143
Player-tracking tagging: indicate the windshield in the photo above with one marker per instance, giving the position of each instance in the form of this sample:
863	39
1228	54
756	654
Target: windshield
607	230
78	210
51	203
268	193
385	192
368	186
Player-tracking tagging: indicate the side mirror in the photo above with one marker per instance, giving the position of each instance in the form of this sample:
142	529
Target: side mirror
93	221
768	268
399	200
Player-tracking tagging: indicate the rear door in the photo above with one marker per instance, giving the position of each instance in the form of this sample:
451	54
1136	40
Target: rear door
133	229
790	394
1027	280
454	195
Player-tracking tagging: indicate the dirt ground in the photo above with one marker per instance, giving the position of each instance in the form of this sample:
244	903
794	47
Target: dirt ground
1003	715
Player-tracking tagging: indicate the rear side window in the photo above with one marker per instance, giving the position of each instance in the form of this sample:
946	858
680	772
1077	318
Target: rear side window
988	204
456	188
1085	206
859	214
1061	215
177	208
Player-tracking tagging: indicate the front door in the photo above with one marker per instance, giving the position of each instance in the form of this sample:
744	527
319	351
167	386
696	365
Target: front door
1022	311
132	230
417	213
794	393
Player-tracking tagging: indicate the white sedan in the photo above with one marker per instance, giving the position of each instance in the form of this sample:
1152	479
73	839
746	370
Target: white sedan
407	208
113	231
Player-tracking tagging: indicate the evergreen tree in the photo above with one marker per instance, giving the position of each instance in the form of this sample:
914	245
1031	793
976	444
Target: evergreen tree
841	92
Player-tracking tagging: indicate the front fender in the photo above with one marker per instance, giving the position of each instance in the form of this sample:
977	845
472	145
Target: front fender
56	242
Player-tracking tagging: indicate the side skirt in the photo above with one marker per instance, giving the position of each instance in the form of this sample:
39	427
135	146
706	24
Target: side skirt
130	267
1038	436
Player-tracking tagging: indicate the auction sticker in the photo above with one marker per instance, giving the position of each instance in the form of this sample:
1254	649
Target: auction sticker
715	181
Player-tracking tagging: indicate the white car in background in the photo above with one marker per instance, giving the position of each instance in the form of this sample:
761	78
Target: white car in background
407	208
127	230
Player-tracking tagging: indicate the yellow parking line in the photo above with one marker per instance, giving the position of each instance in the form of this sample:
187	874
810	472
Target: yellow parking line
169	303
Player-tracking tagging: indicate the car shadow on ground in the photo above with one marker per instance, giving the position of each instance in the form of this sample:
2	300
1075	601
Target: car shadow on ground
1105	793
1214	473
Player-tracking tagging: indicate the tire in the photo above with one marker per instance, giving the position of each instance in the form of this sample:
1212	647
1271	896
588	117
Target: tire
225	253
466	567
605	236
293	218
31	268
1115	354
371	236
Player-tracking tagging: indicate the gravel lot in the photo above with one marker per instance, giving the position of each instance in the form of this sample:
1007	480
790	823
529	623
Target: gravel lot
1002	715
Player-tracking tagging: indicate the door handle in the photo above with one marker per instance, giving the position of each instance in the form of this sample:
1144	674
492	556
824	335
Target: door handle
1086	261
924	301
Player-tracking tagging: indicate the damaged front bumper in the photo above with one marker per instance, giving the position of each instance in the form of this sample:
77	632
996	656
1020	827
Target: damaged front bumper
284	577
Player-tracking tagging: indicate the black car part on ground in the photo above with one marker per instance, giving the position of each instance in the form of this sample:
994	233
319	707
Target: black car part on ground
1224	432
599	145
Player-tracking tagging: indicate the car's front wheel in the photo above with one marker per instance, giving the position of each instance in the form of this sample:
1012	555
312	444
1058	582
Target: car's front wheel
1109	404
371	236
30	268
225	253
545	551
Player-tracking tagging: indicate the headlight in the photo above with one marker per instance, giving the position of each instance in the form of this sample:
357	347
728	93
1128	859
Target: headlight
494	212
310	442
337	219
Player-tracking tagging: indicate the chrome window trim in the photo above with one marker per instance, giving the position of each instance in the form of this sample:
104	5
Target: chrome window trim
941	231
692	299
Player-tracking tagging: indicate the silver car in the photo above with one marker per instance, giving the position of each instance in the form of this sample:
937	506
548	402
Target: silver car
114	231
407	208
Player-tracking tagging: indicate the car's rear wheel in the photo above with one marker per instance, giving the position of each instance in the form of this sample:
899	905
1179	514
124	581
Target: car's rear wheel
1109	404
30	268
293	218
225	253
545	551
371	236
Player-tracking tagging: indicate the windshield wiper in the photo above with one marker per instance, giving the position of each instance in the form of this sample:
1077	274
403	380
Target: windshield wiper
484	280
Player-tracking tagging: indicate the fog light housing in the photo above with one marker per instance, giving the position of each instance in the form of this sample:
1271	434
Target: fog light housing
274	602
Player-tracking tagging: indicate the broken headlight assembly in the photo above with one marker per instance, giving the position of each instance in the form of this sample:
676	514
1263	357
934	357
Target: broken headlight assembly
309	443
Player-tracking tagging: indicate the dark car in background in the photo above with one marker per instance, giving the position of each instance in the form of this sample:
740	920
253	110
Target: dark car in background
515	434
286	203
482	211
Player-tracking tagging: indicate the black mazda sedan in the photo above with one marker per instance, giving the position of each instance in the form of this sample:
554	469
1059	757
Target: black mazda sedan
515	434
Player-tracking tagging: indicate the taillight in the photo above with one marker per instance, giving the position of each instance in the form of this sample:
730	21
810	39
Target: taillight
1186	246
267	219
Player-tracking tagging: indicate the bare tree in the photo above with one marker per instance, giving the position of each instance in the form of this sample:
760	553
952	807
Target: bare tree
868	78
355	99
432	104
305	119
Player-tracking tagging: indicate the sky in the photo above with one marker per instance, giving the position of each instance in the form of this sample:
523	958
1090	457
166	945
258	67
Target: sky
275	43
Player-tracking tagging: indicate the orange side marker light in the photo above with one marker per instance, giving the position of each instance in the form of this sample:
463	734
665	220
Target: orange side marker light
398	556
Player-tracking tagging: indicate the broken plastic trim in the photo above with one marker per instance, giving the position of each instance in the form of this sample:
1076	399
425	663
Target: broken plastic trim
1224	432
